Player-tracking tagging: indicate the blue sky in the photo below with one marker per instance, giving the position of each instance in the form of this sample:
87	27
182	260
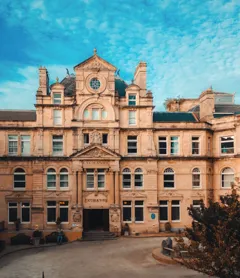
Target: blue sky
187	44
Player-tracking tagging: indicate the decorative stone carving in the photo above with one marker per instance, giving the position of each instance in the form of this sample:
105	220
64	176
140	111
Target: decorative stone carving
115	221
151	172
95	137
96	152
77	217
170	194
130	194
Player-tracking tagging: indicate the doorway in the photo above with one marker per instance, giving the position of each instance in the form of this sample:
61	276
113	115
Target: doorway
96	219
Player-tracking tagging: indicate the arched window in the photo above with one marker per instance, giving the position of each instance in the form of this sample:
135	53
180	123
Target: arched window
227	177
19	178
168	178
95	112
138	178
126	179
195	178
63	178
51	179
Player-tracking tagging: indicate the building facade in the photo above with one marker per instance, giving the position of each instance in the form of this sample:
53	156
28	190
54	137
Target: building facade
97	155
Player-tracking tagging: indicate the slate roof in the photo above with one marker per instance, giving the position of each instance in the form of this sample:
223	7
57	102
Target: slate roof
18	115
173	117
120	86
227	108
70	85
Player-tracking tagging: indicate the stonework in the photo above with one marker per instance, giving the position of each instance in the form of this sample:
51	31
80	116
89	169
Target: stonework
97	155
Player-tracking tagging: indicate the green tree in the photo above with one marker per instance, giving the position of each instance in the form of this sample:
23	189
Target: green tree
213	243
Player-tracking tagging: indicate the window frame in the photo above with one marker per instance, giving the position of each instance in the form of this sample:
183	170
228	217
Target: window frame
21	212
57	117
86	136
196	141
22	140
14	207
138	206
163	206
104	138
57	140
23	173
49	207
134	101
139	172
51	173
61	206
56	99
176	206
195	173
224	142
132	121
90	172
178	145
163	141
101	173
166	172
226	174
132	141
14	147
127	206
63	172
125	172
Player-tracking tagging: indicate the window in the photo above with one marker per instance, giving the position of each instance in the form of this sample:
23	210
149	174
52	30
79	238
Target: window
132	100
195	145
197	204
86	114
63	211
127	211
126	178
131	117
104	114
175	210
12	212
51	211
168	178
132	144
86	138
19	179
195	178
138	178
57	117
101	178
63	178
51	179
25	212
57	144
95	83
227	177
162	145
95	114
105	138
12	144
57	98
25	145
139	211
163	210
90	178
174	145
227	144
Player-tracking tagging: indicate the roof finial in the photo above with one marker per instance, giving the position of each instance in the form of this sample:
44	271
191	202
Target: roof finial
132	81
57	79
95	51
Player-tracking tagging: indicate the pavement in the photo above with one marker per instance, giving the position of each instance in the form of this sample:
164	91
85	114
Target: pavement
121	258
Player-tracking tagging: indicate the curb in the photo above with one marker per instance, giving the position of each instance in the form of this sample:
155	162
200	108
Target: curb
158	256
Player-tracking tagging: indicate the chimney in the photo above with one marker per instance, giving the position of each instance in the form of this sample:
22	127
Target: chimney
207	105
140	75
43	82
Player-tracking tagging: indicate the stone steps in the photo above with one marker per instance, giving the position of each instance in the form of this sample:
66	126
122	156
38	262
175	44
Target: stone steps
98	236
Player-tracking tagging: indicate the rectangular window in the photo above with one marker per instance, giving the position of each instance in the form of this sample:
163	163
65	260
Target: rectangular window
196	179
90	178
101	178
139	206
25	145
195	145
57	117
12	212
95	114
132	100
163	210
175	210
57	145
51	211
127	211
127	180
25	212
174	145
12	144
227	144
57	98
63	211
162	145
132	144
197	204
138	179
86	138
105	138
63	179
131	117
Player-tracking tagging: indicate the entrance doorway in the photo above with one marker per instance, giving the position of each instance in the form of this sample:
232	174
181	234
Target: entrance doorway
96	219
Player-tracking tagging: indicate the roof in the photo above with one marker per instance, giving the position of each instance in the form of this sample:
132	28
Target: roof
173	117
227	108
18	115
69	83
120	86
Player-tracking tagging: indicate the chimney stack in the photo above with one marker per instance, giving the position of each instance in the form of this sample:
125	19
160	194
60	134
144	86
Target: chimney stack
207	105
43	82
140	76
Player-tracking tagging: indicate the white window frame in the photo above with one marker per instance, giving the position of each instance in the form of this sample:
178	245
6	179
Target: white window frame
176	206
101	173
132	117
163	141
133	101
11	141
52	206
228	141
16	206
226	174
169	171
64	172
138	171
196	171
126	171
196	206
25	139
19	174
175	140
163	206
55	181
57	117
138	206
59	210
56	98
132	141
90	172
127	206
196	141
57	140
25	207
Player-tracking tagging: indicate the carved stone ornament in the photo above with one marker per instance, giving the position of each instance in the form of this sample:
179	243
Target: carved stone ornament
115	217
95	137
77	217
96	152
170	194
130	194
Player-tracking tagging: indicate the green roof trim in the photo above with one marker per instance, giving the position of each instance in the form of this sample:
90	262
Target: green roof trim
173	117
120	86
222	115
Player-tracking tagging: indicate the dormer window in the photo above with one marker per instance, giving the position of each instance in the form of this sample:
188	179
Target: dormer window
132	100
57	98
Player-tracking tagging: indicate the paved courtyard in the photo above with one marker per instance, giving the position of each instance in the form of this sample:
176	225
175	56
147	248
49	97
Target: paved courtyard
118	258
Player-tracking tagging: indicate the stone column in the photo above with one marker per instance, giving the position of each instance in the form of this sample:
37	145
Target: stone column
117	189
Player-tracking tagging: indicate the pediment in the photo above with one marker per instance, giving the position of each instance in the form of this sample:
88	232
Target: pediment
96	152
95	62
18	196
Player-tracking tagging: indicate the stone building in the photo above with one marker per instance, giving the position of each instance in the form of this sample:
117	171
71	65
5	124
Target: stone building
97	155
